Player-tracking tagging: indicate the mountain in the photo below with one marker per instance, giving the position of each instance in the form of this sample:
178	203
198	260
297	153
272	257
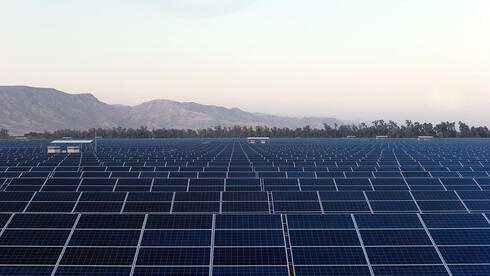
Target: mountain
24	109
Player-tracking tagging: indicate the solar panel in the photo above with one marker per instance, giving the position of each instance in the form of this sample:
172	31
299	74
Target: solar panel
173	256
98	256
249	256
251	270
178	222
176	238
328	256
105	238
225	207
92	270
248	222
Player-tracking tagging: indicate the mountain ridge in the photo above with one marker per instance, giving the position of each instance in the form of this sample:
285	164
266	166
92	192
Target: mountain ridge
24	109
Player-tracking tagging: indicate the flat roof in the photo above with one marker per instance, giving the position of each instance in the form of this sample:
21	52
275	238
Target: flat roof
71	141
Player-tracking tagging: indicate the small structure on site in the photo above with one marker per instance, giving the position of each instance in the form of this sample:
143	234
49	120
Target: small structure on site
351	136
381	136
71	146
258	140
424	137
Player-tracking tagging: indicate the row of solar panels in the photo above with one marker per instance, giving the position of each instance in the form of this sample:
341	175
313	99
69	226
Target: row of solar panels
251	181
247	196
246	244
224	166
245	202
191	172
240	160
366	171
213	185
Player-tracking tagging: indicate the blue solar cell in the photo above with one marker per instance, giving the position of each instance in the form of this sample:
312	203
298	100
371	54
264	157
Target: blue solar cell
251	270
110	221
403	255
292	206
444	174
410	270
269	188
92	270
202	196
465	254
173	256
179	222
42	221
248	238
105	238
483	181
343	196
388	221
457	181
102	196
281	181
295	196
34	237
331	270
63	181
249	256
94	207
323	238
170	182
29	255
475	205
26	270
152	270
98	256
248	222
328	255
395	237
461	270
196	207
415	174
28	181
441	206
319	221
147	207
244	196
345	206
56	196
15	196
455	220
231	207
474	195
393	206
317	181
176	238
434	195
50	207
461	236
352	181
392	195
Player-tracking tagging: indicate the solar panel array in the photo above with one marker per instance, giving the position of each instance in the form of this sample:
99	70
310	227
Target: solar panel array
225	207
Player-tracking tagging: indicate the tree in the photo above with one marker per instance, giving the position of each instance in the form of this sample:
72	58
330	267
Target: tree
4	133
378	127
464	130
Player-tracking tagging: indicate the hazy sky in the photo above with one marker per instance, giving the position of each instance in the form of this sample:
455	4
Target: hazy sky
423	60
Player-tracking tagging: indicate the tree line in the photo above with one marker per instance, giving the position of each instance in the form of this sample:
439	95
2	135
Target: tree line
379	127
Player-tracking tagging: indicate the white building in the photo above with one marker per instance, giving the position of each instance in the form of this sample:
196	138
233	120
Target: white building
258	140
70	146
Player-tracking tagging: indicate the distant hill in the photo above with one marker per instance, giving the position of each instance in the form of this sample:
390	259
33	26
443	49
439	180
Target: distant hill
24	109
